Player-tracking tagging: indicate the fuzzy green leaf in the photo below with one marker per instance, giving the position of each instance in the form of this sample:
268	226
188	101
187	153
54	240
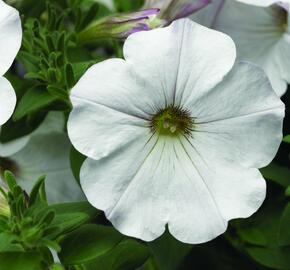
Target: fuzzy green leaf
87	243
33	100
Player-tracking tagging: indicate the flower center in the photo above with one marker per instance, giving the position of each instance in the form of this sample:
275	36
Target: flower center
172	121
283	17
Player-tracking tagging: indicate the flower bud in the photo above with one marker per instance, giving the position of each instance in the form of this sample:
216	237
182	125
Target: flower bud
171	10
119	26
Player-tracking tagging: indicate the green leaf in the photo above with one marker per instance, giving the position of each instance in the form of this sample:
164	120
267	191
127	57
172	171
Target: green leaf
14	130
277	174
87	243
262	228
10	180
57	267
254	236
277	258
33	100
68	222
69	76
150	264
51	244
287	191
29	61
286	139
284	230
127	255
76	161
21	261
80	68
58	93
125	6
75	207
89	17
38	192
171	257
8	243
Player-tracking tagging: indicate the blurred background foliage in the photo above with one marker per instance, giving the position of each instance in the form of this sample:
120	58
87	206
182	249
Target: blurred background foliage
49	63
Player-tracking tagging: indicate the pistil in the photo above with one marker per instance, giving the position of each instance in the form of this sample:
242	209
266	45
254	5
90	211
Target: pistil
172	121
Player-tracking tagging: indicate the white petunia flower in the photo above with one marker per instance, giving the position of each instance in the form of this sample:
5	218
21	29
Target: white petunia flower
10	41
44	152
265	3
262	36
170	139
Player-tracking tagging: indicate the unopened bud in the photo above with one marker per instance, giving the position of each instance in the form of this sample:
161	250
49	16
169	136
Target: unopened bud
119	26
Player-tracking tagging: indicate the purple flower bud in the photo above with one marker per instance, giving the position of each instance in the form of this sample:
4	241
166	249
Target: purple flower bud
171	10
119	26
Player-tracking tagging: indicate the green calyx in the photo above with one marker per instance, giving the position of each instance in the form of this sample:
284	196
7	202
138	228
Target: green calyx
4	206
172	121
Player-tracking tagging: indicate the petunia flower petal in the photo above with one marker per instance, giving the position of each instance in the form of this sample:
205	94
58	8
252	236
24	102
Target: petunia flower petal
120	114
228	130
260	38
48	155
7	99
184	66
211	194
153	184
12	147
10	36
208	15
264	3
132	180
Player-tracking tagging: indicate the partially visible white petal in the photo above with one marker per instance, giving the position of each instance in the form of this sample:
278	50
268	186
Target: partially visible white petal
208	15
48	155
264	3
277	64
7	99
10	36
12	147
161	4
239	121
259	35
53	122
176	59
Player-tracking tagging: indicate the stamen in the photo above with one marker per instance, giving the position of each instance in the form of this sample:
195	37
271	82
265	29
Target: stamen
172	121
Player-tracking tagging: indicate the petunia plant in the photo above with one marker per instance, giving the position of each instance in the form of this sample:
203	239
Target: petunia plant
144	135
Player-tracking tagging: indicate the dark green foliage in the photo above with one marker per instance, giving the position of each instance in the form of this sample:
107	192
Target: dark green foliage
32	226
